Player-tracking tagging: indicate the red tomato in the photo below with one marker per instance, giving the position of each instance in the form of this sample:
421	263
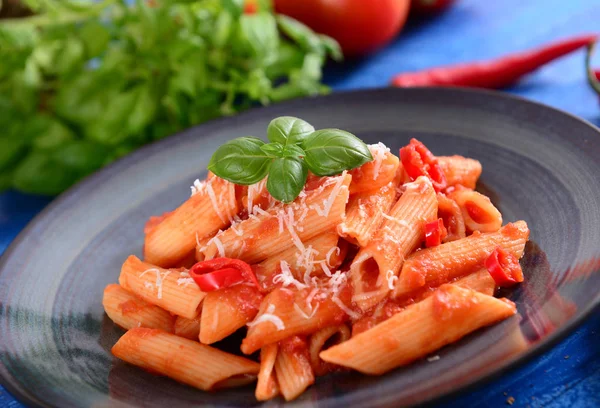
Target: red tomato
360	26
429	6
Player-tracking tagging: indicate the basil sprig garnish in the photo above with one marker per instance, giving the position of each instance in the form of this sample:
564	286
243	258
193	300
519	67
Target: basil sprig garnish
294	148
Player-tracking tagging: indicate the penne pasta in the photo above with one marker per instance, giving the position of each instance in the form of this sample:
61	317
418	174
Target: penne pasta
292	368
443	263
376	266
365	213
226	310
284	313
321	252
184	360
357	271
129	311
450	213
445	317
277	229
478	211
211	208
267	387
375	174
187	328
173	290
480	281
460	170
320	341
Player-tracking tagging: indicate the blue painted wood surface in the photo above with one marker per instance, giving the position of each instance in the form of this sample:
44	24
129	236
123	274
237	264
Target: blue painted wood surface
569	374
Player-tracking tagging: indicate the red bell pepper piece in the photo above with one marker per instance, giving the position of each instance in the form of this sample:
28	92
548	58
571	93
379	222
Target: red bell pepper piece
504	267
419	161
435	232
220	273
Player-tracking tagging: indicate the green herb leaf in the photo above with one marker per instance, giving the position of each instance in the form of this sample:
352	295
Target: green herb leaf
287	177
260	33
241	161
293	151
39	174
331	151
272	149
288	130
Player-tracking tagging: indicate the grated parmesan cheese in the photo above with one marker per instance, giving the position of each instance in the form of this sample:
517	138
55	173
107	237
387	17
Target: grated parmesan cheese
286	277
333	250
378	151
433	358
184	279
345	309
159	280
303	314
328	203
268	316
391	279
198	187
213	200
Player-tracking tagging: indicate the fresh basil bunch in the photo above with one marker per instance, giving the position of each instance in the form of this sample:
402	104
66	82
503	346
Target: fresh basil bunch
294	148
84	82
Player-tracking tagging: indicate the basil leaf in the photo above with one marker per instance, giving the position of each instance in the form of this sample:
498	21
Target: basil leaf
287	177
306	38
39	174
260	33
273	149
241	161
331	151
288	130
293	151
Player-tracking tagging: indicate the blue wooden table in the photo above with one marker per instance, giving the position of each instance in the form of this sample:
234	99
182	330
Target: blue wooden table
569	374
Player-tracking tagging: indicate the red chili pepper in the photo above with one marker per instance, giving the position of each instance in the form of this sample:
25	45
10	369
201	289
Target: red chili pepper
220	273
435	232
504	267
417	161
592	76
492	74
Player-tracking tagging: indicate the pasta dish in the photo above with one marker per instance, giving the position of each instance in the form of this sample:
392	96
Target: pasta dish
326	254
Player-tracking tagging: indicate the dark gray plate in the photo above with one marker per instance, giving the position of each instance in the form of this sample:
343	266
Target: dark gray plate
540	165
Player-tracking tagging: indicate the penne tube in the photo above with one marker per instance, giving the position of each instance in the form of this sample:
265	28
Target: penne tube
376	266
450	213
377	173
443	318
443	263
460	170
478	211
284	313
226	310
187	328
129	311
173	290
292	368
272	231
267	387
184	360
480	281
211	208
320	341
320	252
365	213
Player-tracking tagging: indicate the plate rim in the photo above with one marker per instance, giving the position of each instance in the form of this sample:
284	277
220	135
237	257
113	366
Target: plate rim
91	180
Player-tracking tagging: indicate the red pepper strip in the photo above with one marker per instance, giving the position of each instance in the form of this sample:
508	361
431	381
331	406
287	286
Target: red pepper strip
593	76
504	267
492	74
435	232
220	273
417	161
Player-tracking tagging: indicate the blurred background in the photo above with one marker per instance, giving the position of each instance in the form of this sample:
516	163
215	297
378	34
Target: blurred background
84	83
